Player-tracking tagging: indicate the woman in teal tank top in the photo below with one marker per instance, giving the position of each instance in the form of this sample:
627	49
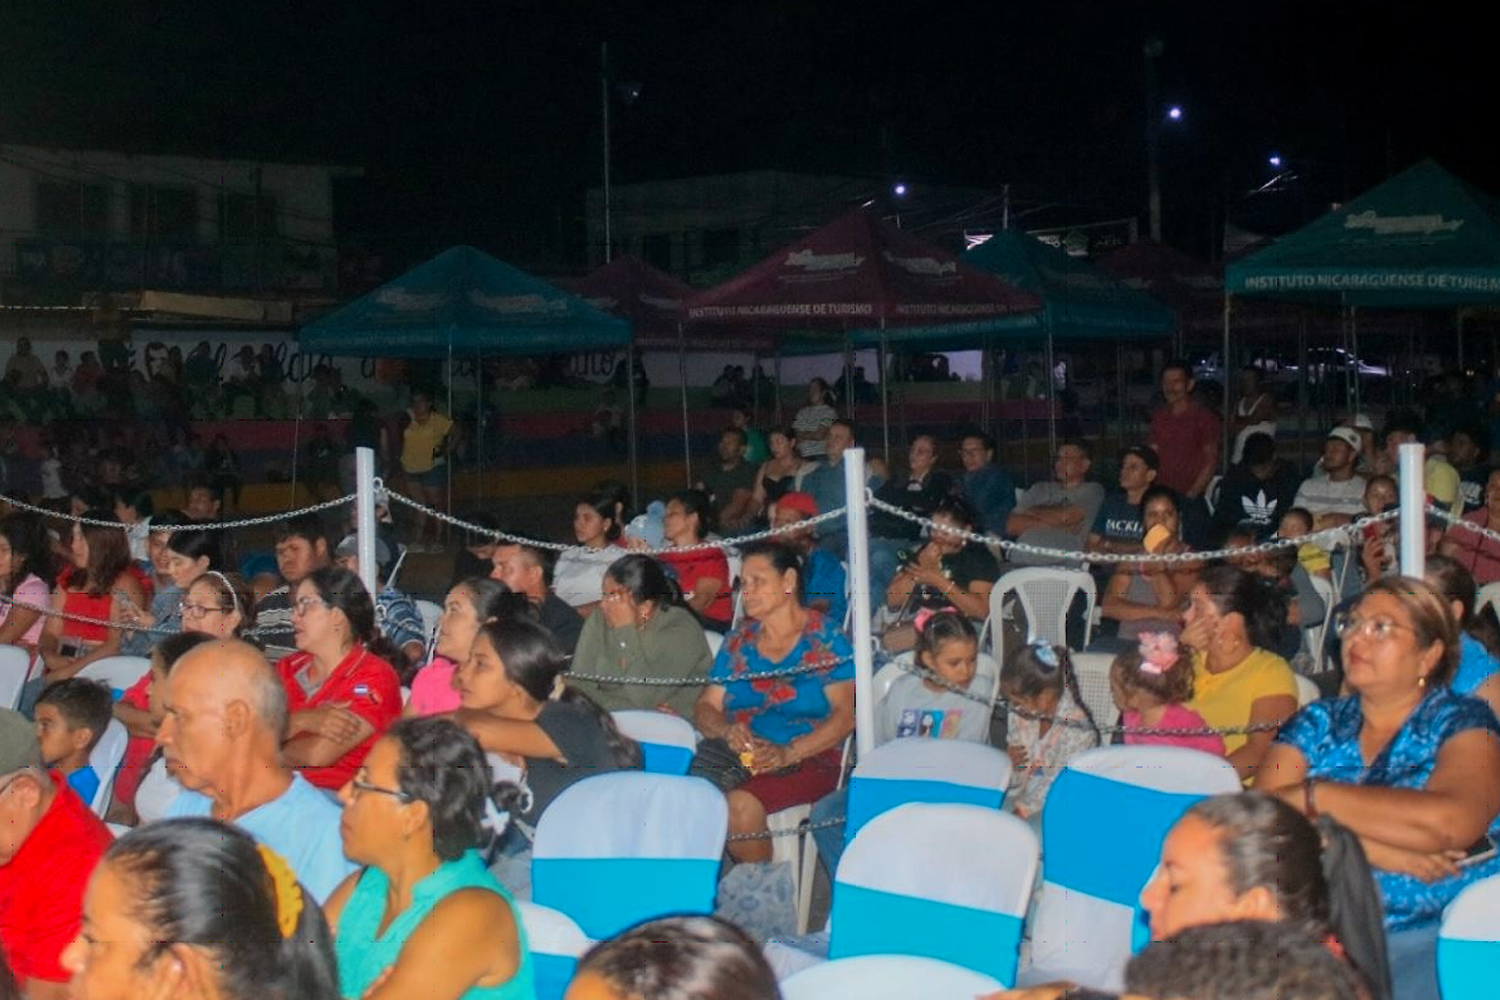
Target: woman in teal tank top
424	919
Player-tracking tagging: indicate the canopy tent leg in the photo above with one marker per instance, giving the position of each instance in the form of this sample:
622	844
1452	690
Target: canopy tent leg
1051	394
687	444
986	372
635	473
777	370
1120	386
1224	380
296	447
1302	390
440	529
1354	358
479	419
885	395
1459	315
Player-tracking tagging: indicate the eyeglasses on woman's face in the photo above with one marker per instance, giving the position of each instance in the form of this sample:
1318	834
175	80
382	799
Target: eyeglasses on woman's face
1350	626
198	612
304	605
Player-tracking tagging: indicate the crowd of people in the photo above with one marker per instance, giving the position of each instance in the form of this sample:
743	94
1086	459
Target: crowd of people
323	797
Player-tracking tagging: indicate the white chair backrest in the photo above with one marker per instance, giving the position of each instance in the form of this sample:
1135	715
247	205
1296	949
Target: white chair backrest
962	900
667	741
1092	670
917	769
1489	595
119	672
657	853
1045	594
1314	632
1468	947
556	944
15	670
887	676
105	760
1135	793
887	977
430	612
714	639
1307	691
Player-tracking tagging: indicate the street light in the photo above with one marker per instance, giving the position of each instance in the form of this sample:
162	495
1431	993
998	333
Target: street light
1174	113
1274	160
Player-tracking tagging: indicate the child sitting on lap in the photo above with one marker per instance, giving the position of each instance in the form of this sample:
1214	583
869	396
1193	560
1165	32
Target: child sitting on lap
1150	684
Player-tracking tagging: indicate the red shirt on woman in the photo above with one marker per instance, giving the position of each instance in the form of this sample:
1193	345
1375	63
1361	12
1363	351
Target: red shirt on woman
364	684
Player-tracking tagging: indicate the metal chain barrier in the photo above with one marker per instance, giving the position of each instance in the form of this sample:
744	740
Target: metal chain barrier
820	666
796	831
1456	521
85	619
501	536
249	522
1327	538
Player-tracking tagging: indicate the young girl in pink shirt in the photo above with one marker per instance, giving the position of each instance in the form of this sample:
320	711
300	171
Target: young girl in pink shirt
1150	685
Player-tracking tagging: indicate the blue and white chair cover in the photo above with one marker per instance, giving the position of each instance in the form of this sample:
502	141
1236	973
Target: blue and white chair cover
942	881
620	848
1468	948
15	671
1102	828
916	769
887	977
667	741
556	944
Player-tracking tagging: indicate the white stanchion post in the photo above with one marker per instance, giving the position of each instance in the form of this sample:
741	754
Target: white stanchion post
856	526
364	511
1411	469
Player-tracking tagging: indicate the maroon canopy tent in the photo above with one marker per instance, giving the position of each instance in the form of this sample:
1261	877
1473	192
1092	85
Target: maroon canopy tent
651	299
861	273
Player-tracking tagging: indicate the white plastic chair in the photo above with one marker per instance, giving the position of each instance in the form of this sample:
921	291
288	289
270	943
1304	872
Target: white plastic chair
715	641
1106	816
1468	948
962	902
15	670
917	769
1307	691
119	672
1488	595
556	944
105	760
887	977
619	848
1045	593
667	741
430	612
1315	633
1092	671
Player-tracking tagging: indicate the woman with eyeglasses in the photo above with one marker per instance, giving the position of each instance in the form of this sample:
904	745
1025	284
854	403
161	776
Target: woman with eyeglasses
1404	762
341	690
424	917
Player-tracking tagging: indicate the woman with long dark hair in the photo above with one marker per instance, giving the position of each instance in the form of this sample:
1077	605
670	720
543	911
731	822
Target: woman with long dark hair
342	691
641	631
101	583
424	917
193	908
579	572
516	701
25	569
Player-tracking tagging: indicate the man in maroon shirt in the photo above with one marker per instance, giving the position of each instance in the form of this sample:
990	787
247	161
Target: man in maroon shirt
1185	434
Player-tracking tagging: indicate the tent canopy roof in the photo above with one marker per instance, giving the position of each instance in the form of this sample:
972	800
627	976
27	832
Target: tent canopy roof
464	301
1078	299
858	272
1423	239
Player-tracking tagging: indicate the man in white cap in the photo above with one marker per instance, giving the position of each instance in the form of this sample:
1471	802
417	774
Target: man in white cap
1339	496
49	844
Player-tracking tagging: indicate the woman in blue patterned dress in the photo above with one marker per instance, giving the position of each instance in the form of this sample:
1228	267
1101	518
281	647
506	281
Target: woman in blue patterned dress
1405	763
773	740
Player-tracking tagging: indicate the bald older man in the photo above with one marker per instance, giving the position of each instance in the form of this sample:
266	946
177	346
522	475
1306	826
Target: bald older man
225	716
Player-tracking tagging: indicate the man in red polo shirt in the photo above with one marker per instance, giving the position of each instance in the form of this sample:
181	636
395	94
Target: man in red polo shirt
49	844
1185	434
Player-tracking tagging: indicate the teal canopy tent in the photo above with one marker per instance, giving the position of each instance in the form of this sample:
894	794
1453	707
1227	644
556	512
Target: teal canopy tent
1078	301
465	302
1422	240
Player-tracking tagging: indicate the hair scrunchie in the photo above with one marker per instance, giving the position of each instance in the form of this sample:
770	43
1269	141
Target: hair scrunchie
288	892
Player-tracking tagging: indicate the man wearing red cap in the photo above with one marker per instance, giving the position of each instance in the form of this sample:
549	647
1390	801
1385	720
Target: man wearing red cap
827	588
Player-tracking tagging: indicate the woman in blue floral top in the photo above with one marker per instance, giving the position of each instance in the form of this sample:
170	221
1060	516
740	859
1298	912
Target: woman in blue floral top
772	739
1405	763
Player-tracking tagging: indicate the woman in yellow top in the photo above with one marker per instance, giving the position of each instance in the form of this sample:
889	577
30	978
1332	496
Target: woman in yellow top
425	443
1232	621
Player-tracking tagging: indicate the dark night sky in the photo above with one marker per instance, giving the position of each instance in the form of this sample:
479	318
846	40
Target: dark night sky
479	122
